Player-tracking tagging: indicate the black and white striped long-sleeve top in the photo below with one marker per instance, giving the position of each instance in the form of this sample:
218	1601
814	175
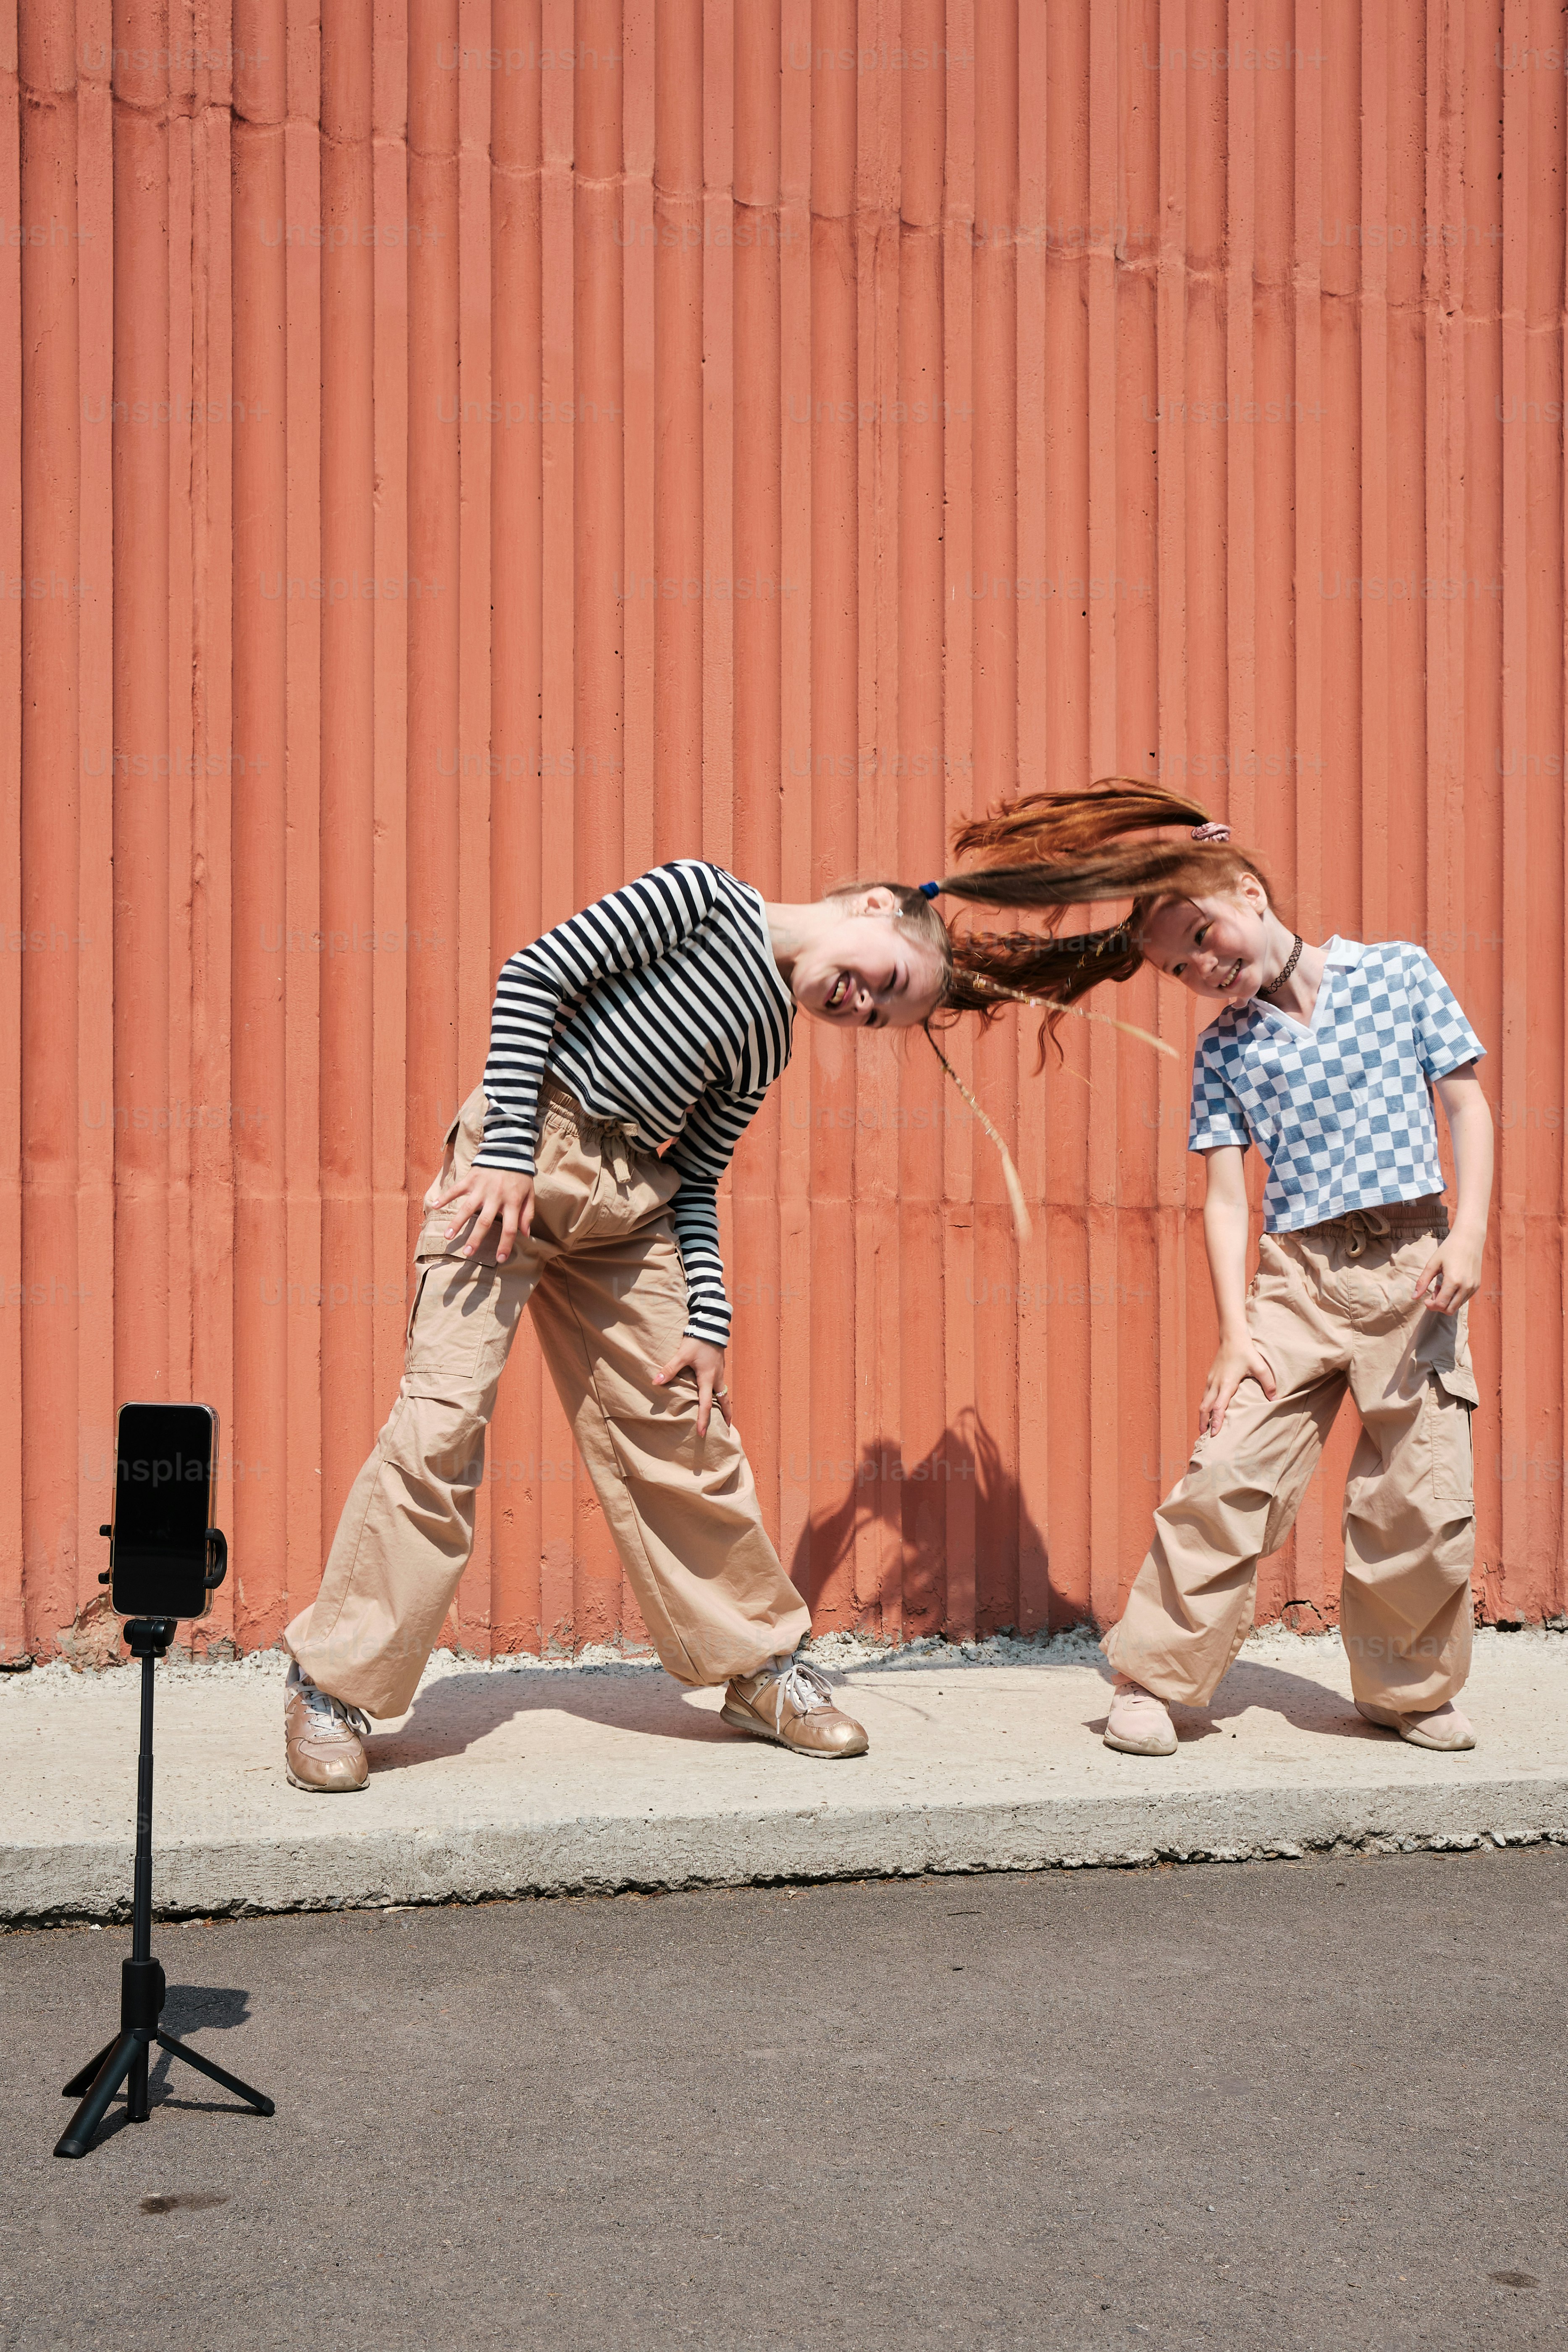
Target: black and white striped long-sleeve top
660	1005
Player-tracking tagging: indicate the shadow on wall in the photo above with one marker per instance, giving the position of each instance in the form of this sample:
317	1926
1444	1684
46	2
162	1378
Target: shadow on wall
957	1544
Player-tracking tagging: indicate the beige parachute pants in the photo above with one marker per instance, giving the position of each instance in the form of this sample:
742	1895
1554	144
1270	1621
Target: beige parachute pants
1331	1308
604	1284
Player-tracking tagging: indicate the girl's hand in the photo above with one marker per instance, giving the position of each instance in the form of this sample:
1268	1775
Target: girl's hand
1239	1359
487	1193
1452	1273
708	1362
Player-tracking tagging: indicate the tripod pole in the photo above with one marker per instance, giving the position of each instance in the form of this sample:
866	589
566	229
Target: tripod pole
140	1976
142	1985
142	1886
141	1958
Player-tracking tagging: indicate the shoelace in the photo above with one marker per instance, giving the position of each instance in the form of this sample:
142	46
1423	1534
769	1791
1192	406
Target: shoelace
802	1686
327	1711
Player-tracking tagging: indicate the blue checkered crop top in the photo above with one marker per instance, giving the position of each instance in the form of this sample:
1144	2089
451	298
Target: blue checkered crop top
1340	1108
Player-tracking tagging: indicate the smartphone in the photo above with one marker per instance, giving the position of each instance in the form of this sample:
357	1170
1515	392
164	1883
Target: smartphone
165	1457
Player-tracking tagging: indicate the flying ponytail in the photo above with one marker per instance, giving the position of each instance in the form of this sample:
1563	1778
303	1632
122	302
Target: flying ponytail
1042	854
1050	851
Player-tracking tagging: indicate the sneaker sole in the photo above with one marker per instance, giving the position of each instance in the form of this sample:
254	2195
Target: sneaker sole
1413	1737
760	1731
1132	1747
318	1788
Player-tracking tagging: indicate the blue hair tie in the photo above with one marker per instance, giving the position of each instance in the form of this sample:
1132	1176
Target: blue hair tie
929	889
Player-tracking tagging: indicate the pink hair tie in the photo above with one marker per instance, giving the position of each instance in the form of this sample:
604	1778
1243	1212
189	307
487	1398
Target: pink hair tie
1211	832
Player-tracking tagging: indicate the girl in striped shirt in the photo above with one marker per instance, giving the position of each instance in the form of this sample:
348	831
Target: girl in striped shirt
630	1048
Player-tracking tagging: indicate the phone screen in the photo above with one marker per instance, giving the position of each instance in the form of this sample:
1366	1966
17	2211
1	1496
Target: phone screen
162	1509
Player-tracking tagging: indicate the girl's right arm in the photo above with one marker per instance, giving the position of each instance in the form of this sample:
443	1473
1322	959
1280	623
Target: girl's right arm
1225	1226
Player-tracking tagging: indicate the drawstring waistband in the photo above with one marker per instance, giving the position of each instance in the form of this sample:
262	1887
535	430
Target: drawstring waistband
1360	1227
618	1137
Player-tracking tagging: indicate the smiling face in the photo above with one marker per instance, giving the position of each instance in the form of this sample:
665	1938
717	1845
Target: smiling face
867	971
1215	946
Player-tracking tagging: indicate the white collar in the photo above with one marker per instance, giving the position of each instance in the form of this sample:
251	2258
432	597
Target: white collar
1336	952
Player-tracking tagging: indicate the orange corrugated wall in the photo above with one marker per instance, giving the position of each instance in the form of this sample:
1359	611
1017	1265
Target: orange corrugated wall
453	457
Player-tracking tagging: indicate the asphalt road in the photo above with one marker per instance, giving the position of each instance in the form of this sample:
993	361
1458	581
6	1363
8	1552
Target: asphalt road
1278	2104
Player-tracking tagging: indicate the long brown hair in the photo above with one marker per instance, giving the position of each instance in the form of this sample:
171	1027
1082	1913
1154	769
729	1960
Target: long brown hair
1050	851
1047	852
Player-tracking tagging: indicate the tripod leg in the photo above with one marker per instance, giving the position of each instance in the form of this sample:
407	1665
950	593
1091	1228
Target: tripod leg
82	2080
136	2086
177	2049
76	2137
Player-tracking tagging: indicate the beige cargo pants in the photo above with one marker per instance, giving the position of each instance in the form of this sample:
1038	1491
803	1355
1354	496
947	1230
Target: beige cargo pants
1331	1308
603	1282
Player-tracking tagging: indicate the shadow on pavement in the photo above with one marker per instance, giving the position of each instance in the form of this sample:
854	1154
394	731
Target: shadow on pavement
1309	1705
191	2010
451	1714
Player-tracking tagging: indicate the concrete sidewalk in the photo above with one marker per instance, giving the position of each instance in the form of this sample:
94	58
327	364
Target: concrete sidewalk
522	1777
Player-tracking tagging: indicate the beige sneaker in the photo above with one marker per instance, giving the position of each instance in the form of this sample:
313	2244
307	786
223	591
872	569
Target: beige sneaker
1139	1724
321	1737
1442	1727
790	1703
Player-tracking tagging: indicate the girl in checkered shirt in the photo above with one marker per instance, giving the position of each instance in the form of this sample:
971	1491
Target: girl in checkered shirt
1327	1059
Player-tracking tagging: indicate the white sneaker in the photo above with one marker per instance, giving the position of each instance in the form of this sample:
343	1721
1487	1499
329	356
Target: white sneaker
1443	1727
1138	1723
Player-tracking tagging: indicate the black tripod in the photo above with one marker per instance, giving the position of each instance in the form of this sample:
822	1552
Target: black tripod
141	1984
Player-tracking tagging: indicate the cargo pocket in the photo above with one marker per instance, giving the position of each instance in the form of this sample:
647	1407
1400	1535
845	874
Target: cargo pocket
465	1317
437	1184
1454	1396
1452	1455
423	1271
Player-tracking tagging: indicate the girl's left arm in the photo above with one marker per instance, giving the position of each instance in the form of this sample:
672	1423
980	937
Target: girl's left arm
1453	1273
700	1153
